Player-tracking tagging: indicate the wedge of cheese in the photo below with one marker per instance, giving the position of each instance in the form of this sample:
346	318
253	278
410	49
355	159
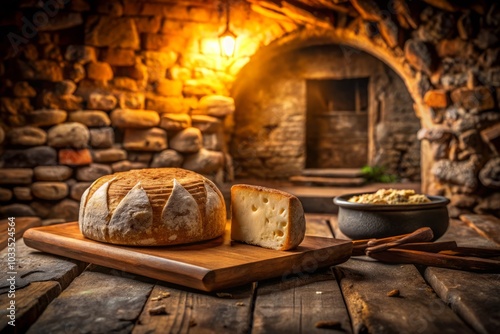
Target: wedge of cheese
266	217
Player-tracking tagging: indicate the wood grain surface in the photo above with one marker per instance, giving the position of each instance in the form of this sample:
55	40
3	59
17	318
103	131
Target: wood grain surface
485	225
100	300
305	302
31	301
21	225
175	309
208	266
40	278
250	308
34	266
365	284
475	297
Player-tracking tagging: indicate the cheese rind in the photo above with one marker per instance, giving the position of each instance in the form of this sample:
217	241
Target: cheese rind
266	217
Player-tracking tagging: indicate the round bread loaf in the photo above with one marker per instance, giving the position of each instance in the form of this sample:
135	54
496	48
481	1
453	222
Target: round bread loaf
152	207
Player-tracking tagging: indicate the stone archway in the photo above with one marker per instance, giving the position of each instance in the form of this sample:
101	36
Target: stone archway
446	56
284	48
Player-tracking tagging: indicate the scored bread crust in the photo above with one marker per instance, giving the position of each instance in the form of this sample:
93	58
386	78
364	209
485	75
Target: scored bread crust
283	214
152	207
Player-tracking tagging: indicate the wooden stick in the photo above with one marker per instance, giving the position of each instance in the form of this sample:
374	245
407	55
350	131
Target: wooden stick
395	255
359	246
432	247
420	235
444	247
472	251
374	242
358	250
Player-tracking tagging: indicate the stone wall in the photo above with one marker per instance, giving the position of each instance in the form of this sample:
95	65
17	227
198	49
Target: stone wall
269	132
89	88
395	142
79	67
447	55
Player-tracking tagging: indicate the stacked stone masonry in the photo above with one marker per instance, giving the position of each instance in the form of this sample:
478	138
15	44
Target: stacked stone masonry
103	88
92	87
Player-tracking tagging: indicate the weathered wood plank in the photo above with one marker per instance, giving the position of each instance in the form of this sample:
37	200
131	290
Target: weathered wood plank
179	310
210	266
40	278
35	266
365	285
298	304
460	232
21	225
475	297
334	223
317	225
29	304
100	300
187	308
486	226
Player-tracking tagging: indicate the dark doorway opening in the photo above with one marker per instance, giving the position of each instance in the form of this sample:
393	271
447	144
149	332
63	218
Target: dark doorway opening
337	123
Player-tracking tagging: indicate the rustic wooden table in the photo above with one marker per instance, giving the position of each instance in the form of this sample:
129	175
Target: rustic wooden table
59	295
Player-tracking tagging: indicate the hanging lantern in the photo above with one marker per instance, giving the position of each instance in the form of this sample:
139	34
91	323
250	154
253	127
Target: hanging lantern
227	40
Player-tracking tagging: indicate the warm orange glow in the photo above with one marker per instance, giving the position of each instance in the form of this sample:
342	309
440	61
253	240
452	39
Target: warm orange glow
210	46
227	44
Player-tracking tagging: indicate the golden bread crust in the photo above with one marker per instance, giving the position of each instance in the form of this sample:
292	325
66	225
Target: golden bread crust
155	206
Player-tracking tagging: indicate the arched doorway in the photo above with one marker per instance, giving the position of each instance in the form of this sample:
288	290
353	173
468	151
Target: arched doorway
317	104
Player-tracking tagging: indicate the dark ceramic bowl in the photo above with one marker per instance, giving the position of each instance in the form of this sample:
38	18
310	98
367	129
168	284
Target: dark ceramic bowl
366	221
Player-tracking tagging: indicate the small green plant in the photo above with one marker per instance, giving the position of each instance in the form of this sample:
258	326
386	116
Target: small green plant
378	174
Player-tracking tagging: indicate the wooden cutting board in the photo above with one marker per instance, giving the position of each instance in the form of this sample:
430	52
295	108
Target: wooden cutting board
211	265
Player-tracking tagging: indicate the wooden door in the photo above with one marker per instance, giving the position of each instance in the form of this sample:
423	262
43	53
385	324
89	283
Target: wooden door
337	123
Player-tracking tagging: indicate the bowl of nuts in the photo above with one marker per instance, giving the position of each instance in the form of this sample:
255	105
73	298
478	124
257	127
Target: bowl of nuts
389	212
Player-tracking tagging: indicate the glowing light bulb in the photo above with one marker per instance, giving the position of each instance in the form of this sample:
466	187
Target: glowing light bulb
227	40
227	44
